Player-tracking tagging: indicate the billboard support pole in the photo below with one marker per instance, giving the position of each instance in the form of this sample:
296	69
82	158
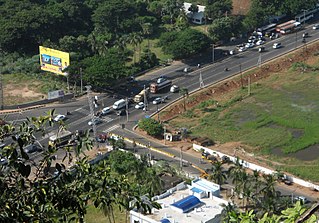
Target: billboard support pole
67	82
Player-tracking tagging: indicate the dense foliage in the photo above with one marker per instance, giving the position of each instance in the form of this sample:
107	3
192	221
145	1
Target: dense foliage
33	193
151	126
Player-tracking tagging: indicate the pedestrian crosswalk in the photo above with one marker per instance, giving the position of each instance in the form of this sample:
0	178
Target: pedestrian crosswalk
112	128
107	119
83	111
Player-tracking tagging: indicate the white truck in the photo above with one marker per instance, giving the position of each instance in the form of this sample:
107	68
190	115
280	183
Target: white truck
140	96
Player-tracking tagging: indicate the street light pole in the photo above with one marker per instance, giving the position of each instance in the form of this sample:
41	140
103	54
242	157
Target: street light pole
213	53
81	80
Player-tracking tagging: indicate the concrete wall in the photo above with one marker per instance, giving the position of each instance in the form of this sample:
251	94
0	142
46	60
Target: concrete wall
253	166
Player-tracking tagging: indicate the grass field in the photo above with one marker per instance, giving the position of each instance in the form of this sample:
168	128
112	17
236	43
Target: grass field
95	215
281	114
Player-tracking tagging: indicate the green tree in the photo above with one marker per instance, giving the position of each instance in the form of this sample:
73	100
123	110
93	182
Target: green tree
184	93
183	43
218	174
217	9
151	126
222	29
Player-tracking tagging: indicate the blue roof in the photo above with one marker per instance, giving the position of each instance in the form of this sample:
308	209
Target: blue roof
187	203
165	220
196	190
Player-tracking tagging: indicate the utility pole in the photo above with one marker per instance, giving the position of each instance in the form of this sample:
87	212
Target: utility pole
201	82
213	53
241	76
81	80
181	160
259	60
88	90
126	110
248	85
164	135
145	99
149	151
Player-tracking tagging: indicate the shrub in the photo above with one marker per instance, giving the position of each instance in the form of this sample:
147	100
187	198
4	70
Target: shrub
151	126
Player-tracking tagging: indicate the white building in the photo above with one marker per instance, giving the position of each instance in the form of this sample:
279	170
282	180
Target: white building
186	204
197	17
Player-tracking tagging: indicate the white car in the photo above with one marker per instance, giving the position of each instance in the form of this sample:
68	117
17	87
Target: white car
276	45
174	89
139	105
95	121
249	45
106	110
161	80
260	42
242	49
157	101
59	118
316	26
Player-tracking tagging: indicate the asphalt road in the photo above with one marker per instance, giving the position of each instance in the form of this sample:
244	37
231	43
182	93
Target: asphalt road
210	73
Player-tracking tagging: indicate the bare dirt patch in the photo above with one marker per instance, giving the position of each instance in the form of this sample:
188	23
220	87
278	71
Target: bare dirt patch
241	7
19	94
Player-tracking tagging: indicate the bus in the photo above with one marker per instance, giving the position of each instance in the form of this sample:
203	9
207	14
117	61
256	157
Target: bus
60	138
266	30
156	87
280	26
290	28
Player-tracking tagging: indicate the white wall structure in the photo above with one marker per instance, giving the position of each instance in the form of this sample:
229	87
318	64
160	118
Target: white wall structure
253	166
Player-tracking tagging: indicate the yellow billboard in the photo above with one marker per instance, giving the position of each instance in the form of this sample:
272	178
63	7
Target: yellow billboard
54	60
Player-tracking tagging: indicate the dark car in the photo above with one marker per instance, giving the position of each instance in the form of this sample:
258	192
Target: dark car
121	112
102	138
32	148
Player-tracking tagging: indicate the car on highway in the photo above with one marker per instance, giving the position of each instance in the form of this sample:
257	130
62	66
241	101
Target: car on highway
157	101
260	42
59	118
139	105
95	121
32	148
242	49
261	49
174	89
305	35
161	79
106	111
276	45
250	45
315	26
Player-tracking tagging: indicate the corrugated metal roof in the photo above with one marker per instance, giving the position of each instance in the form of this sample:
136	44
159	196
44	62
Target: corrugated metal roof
187	203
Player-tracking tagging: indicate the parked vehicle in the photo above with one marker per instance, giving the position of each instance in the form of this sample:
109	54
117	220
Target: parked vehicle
260	42
156	87
250	45
242	49
174	89
140	96
119	104
209	157
101	138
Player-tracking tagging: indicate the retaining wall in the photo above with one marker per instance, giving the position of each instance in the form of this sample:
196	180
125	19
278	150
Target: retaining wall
253	166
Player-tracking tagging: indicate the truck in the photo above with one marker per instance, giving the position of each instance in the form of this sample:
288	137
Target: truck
156	87
140	96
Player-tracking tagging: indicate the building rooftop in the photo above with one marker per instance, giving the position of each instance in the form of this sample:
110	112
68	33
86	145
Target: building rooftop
180	205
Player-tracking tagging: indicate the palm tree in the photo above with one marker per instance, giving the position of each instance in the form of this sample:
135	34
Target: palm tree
218	175
135	39
121	42
184	93
147	31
